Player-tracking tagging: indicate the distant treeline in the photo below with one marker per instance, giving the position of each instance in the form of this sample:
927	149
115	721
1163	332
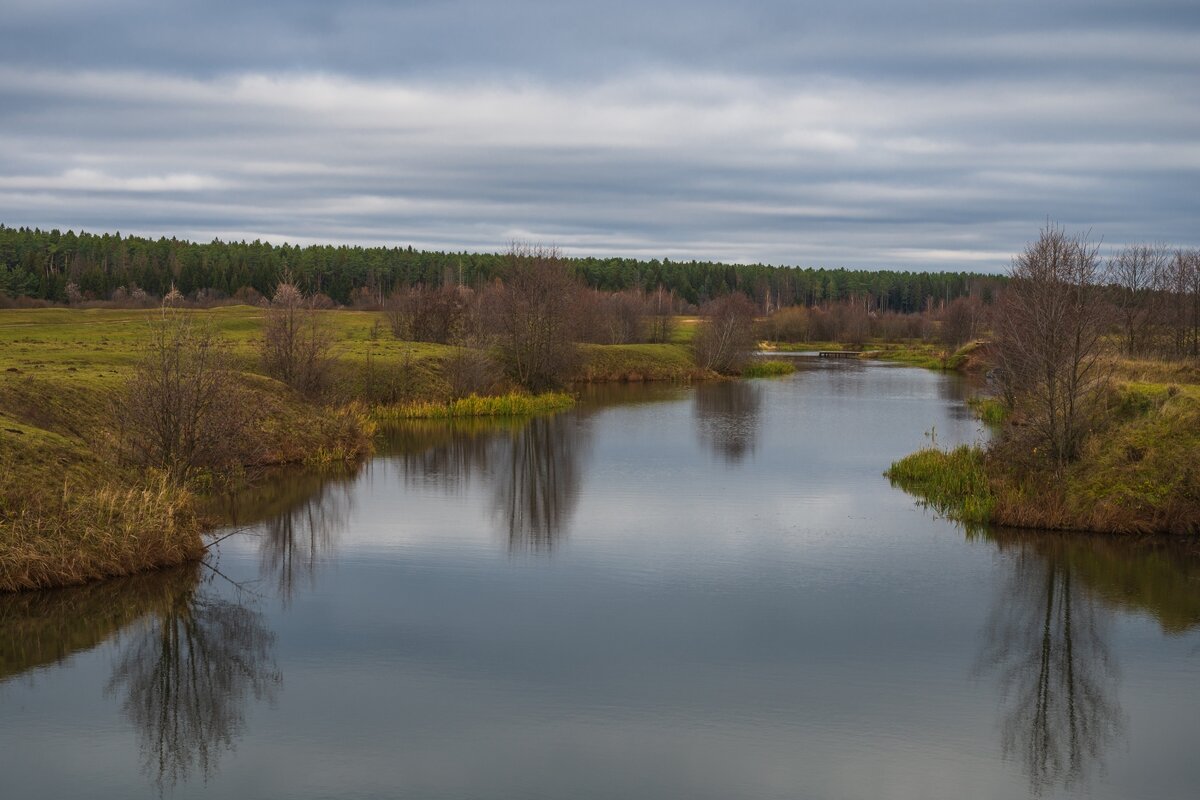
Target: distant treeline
61	267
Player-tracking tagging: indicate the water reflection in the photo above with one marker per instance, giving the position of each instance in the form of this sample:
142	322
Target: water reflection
536	485
300	515
446	455
185	675
41	629
187	660
1047	644
728	417
533	469
1047	639
1156	576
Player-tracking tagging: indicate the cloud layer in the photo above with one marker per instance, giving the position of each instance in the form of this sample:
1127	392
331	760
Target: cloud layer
937	136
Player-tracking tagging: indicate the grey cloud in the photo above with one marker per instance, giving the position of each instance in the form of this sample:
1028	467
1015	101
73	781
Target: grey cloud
877	134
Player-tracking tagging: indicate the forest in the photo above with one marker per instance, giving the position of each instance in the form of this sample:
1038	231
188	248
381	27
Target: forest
58	266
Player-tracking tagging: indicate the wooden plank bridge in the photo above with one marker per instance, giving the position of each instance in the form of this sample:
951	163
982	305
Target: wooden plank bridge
846	353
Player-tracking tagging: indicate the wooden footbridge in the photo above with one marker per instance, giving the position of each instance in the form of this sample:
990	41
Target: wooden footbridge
847	353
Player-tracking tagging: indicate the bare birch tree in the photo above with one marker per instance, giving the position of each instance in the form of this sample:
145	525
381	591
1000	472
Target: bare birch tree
1050	339
726	335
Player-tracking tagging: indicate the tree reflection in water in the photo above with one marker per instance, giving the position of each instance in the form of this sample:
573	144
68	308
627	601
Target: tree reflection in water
533	469
727	417
537	481
1046	642
299	514
295	542
186	673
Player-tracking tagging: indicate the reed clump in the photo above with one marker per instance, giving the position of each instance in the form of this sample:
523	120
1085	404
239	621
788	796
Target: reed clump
767	368
952	482
513	404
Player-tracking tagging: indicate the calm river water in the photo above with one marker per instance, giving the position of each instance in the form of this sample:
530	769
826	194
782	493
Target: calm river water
704	592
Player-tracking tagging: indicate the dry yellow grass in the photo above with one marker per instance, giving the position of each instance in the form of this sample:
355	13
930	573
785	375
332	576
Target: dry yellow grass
78	534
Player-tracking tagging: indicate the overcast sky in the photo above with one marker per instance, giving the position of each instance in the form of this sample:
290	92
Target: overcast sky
855	133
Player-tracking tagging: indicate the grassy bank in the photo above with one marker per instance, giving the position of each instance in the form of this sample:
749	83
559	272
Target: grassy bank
634	363
1139	471
71	512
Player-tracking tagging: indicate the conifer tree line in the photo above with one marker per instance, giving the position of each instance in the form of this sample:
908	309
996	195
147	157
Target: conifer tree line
66	266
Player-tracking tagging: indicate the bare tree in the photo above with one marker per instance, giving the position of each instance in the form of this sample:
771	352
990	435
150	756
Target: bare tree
726	336
427	314
791	324
471	370
1180	289
660	310
1050	339
530	320
959	321
1137	272
183	409
297	348
1192	258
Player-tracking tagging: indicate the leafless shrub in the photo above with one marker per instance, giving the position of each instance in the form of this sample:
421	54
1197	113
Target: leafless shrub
173	298
321	302
183	409
726	336
428	314
529	318
610	317
626	317
792	324
661	306
471	370
1049	340
892	326
1192	281
1180	289
960	321
851	323
297	347
1137	273
821	325
250	296
366	298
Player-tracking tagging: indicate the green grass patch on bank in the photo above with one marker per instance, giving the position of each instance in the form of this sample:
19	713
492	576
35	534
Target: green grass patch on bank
952	482
636	362
508	405
767	368
990	410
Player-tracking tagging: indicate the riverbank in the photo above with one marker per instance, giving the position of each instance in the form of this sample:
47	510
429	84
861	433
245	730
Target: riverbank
970	357
72	512
1138	472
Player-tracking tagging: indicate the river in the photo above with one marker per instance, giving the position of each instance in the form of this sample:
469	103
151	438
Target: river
683	592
